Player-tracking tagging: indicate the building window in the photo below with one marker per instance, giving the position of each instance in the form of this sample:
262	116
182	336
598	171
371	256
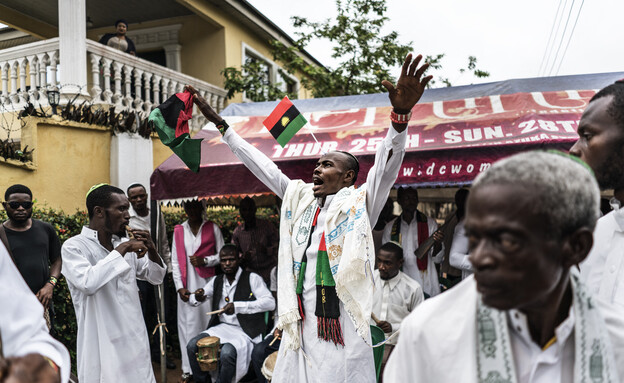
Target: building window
272	73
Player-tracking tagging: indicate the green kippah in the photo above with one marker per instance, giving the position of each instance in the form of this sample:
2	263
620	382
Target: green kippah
95	187
573	158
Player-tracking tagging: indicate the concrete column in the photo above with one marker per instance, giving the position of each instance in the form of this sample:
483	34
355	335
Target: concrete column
131	160
73	46
172	56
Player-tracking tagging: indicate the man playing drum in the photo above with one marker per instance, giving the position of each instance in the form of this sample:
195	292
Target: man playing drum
240	299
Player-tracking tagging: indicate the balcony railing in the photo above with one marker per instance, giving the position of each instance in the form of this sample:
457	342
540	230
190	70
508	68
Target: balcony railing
115	78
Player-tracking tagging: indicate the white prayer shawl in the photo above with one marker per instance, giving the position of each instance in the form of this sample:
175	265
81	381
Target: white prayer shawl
446	328
349	248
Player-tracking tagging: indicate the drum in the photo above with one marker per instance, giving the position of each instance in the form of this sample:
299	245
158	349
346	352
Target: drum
269	365
208	353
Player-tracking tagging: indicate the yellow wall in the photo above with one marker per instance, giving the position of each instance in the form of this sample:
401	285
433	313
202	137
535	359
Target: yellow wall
69	158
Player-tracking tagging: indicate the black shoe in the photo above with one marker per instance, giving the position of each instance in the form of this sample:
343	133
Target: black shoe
170	364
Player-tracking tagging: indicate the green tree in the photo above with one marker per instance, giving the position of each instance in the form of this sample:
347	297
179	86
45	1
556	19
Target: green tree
365	55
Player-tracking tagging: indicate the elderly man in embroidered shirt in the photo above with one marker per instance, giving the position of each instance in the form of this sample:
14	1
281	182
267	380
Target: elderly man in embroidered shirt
101	270
601	145
524	316
325	268
396	294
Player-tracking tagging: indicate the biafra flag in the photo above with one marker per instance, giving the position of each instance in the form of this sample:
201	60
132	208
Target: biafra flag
284	122
170	120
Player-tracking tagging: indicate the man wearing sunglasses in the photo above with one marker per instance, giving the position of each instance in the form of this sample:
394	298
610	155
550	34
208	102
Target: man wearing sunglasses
34	244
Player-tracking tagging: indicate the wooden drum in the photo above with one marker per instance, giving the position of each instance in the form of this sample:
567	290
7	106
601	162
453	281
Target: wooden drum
269	365
208	353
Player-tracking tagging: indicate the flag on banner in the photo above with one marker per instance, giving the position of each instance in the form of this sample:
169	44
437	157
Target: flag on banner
284	122
170	120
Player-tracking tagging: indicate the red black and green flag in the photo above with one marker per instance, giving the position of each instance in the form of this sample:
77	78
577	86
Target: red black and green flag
284	122
170	120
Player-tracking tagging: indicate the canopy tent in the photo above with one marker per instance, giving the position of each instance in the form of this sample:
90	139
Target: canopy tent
454	134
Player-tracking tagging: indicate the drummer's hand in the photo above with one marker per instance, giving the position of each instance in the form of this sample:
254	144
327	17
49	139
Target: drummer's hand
385	326
228	309
199	295
184	294
438	236
277	333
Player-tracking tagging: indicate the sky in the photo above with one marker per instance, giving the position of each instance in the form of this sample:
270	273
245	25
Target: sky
509	38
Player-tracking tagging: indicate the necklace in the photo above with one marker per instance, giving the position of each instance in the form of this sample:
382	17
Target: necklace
227	295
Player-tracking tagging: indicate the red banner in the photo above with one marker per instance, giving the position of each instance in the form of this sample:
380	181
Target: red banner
448	142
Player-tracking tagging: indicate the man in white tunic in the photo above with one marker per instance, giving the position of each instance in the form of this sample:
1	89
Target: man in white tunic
327	337
396	297
410	229
141	219
244	298
524	316
32	355
101	270
459	248
601	145
195	253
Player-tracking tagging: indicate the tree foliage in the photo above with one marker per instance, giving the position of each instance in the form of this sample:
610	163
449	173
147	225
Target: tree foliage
365	53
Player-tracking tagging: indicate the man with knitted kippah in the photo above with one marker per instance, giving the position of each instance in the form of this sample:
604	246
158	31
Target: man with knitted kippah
397	294
326	257
601	145
101	267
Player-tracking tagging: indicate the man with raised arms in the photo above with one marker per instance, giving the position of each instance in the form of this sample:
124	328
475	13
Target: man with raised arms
326	256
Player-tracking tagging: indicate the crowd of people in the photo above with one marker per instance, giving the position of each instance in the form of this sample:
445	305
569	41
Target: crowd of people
523	282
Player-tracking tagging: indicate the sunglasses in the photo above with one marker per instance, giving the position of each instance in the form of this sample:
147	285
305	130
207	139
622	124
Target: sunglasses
15	205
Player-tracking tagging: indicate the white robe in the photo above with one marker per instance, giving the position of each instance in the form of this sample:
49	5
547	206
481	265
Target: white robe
458	256
427	279
438	343
22	326
192	320
324	361
112	339
603	269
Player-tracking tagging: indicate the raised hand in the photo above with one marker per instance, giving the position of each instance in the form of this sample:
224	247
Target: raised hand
410	86
203	105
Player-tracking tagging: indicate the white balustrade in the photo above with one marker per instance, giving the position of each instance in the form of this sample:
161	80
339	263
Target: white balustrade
116	78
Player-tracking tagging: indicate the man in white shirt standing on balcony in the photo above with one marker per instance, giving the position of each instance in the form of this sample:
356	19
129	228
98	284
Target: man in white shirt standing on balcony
325	269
